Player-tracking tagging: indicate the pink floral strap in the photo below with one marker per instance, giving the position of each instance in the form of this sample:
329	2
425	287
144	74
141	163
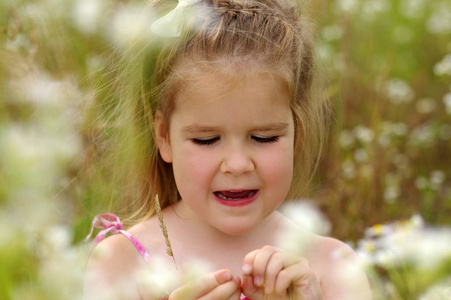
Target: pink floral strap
111	223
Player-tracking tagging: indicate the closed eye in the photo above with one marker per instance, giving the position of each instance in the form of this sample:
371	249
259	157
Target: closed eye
264	139
206	141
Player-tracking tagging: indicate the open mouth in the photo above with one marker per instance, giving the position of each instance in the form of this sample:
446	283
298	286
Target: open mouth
235	195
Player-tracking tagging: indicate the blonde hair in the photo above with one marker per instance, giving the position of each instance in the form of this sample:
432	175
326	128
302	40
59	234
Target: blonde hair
266	35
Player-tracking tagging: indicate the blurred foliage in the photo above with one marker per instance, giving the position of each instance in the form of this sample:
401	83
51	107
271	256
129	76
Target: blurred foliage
387	67
388	154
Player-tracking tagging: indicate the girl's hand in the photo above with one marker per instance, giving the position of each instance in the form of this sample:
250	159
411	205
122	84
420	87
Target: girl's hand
217	285
270	273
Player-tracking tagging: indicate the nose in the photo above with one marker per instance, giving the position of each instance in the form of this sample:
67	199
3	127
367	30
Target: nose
237	161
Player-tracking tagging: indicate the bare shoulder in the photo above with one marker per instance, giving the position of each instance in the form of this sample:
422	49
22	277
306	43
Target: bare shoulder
338	269
111	268
331	249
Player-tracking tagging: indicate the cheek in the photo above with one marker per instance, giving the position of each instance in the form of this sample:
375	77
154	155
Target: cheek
193	168
278	168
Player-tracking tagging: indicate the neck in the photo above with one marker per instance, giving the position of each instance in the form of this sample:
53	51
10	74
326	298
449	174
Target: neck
192	240
198	231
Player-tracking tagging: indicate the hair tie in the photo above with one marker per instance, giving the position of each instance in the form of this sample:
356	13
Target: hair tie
171	24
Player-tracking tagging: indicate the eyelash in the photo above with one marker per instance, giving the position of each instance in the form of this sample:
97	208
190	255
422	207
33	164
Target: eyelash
205	142
265	140
210	141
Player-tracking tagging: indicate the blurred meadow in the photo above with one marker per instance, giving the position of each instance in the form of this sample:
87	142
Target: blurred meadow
384	183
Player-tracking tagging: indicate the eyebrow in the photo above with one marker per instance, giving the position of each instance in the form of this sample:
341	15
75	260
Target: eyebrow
279	126
197	128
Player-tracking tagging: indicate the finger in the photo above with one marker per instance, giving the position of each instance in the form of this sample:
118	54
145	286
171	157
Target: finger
278	262
275	265
201	287
303	280
228	290
247	285
248	262
260	264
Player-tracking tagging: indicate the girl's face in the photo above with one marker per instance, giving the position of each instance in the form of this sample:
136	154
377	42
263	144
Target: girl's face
231	146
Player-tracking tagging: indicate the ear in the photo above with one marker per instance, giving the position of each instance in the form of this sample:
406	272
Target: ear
162	137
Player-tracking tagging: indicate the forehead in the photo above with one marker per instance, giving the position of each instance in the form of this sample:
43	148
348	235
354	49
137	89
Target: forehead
215	100
208	80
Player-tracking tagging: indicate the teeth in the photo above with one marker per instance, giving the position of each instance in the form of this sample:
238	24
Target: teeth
232	195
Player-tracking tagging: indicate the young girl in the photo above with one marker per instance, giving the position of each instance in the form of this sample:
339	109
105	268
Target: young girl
231	127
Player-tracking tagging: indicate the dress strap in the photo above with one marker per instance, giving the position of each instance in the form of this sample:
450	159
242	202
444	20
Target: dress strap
111	223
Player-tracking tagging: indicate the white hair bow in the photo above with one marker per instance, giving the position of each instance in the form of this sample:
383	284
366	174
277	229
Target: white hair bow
171	24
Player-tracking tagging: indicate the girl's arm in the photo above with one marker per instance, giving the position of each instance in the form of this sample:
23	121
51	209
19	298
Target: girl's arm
342	275
111	270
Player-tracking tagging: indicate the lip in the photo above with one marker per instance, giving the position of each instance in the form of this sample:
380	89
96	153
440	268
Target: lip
240	202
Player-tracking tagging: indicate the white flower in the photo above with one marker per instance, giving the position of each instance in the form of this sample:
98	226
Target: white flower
131	26
88	14
413	8
431	247
309	220
398	91
447	102
347	5
348	169
445	132
439	291
346	139
61	275
360	155
422	135
384	140
437	178
41	90
374	7
391	193
43	13
58	237
440	21
332	33
326	53
34	149
421	183
403	34
159	278
307	216
20	42
9	232
443	67
378	230
399	129
363	134
401	161
407	241
95	63
425	105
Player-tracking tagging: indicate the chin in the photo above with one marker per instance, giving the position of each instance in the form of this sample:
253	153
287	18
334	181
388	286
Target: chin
237	228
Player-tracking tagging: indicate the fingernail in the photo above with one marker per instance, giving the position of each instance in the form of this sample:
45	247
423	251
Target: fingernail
247	269
227	276
258	281
267	289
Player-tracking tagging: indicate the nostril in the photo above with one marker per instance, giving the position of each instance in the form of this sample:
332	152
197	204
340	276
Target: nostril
237	164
